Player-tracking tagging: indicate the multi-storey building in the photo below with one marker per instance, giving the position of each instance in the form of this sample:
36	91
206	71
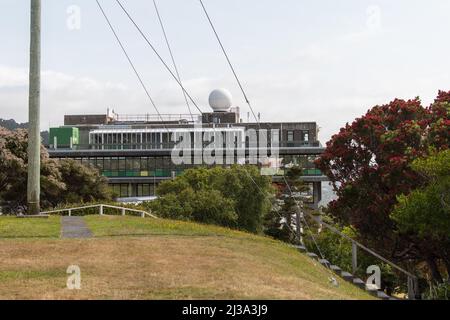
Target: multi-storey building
136	152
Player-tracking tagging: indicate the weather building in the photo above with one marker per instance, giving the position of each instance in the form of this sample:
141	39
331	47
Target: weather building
137	152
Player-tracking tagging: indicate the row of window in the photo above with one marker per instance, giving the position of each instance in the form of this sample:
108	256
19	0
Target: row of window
164	167
125	190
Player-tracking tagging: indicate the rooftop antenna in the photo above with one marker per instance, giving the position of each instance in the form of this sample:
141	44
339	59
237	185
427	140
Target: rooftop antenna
34	140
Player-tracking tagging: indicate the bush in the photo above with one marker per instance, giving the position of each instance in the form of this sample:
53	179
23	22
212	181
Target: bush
62	182
223	196
438	291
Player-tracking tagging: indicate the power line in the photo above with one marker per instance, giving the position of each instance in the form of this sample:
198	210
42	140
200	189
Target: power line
157	54
228	60
130	61
172	56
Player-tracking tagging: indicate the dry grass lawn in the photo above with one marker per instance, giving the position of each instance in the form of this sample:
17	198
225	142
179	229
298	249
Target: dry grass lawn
215	264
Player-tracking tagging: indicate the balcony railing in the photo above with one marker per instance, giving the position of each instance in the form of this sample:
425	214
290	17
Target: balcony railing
171	145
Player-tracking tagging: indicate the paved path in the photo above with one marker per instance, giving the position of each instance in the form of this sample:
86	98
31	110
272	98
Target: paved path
74	227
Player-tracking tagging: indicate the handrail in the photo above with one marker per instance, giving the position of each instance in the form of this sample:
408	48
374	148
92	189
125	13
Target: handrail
360	245
413	286
132	210
101	206
77	208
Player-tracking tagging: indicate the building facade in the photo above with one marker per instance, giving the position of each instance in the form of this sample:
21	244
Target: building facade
137	152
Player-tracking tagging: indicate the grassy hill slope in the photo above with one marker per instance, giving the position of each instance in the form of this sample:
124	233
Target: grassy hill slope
135	258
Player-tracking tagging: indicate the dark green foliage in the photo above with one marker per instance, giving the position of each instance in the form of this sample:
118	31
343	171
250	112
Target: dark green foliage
424	214
83	183
61	182
438	291
223	196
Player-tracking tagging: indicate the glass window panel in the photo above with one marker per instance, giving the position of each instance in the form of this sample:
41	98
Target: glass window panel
124	190
151	164
143	166
290	136
146	190
107	164
122	166
114	164
136	164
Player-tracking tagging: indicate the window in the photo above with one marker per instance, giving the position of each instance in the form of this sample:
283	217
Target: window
151	164
290	136
107	164
275	137
99	162
143	165
136	164
305	135
124	190
114	164
146	190
122	166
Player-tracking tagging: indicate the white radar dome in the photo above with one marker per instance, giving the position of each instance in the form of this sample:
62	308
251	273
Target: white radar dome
220	100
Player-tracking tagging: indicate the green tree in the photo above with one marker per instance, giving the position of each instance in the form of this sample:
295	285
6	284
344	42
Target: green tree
62	182
425	212
236	197
83	183
13	172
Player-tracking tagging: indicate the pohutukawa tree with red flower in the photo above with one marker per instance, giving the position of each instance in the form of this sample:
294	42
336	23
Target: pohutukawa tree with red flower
369	164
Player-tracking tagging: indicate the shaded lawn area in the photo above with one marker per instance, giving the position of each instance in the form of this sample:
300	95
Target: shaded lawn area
12	227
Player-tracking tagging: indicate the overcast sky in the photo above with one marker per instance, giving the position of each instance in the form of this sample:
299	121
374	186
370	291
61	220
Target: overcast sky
300	60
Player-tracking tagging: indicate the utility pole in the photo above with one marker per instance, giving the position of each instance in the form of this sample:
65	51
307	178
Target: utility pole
34	137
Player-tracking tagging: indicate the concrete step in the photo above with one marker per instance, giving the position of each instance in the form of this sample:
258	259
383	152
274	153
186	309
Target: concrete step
382	295
359	283
347	276
393	299
336	269
300	248
325	263
312	255
372	289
